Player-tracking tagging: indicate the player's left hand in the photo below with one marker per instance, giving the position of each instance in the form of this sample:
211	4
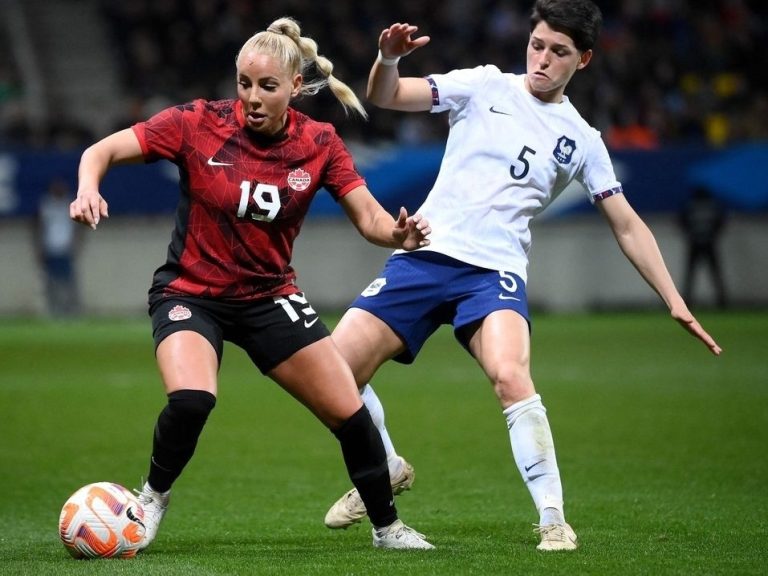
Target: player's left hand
411	231
690	323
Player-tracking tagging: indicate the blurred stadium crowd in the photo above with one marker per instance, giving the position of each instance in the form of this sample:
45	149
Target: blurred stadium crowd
666	72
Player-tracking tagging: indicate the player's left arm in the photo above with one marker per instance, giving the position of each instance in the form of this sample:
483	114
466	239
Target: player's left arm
378	227
639	246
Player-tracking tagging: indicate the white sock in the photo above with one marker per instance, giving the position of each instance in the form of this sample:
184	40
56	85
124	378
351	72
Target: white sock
534	453
376	409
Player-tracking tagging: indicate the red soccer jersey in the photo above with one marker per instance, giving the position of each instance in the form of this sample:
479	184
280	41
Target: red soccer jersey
243	196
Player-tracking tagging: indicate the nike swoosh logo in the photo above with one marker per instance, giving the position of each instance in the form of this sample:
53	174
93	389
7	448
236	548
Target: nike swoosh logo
505	297
212	162
308	323
133	517
531	467
497	111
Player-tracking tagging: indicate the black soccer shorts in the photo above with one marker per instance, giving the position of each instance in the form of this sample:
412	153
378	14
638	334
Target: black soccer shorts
270	330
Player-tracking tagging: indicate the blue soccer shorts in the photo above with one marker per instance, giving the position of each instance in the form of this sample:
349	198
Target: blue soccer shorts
418	292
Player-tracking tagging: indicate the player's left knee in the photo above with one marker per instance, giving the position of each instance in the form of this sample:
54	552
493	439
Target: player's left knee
512	385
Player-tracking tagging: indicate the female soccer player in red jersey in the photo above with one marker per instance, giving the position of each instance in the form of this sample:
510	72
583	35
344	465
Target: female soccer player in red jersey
249	168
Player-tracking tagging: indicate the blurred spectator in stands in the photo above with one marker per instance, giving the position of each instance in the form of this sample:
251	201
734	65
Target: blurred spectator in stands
57	243
12	115
628	132
14	125
10	87
686	68
66	133
702	220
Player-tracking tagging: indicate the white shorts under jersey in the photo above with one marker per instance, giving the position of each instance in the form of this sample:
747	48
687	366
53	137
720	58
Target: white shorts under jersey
508	155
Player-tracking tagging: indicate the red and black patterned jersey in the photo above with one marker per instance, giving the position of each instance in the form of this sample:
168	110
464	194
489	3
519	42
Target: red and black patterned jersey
243	196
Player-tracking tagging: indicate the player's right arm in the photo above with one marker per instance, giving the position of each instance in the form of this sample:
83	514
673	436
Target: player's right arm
386	89
119	148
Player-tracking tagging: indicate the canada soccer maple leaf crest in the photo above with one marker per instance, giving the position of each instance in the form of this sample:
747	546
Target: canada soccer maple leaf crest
299	179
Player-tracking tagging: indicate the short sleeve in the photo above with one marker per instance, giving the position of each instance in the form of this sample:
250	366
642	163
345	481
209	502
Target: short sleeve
597	175
341	175
451	91
161	136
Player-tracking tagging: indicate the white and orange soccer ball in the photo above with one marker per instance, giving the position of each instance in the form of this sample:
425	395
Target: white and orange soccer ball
102	520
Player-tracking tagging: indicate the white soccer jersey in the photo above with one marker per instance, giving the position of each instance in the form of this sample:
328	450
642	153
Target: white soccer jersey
508	155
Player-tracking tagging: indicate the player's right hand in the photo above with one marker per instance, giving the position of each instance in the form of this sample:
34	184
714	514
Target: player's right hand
88	208
396	40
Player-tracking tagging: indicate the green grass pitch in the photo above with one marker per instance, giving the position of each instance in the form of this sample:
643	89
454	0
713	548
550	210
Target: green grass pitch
663	450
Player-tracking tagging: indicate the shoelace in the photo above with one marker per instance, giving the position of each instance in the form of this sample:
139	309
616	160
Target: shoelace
407	530
353	500
553	531
143	497
146	499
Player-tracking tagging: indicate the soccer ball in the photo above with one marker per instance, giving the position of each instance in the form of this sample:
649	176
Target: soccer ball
102	520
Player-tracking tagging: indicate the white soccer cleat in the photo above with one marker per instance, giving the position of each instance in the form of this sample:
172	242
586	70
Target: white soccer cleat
155	504
349	509
556	537
399	536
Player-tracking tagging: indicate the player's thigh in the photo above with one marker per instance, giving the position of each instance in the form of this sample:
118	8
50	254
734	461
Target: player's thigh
365	342
318	376
188	343
187	361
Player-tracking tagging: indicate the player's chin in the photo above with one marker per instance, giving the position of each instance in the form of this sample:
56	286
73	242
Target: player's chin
540	83
255	126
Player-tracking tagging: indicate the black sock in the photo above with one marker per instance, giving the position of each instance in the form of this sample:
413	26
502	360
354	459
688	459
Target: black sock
178	428
366	463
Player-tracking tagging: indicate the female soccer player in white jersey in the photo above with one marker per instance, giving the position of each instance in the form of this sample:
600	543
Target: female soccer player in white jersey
515	143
